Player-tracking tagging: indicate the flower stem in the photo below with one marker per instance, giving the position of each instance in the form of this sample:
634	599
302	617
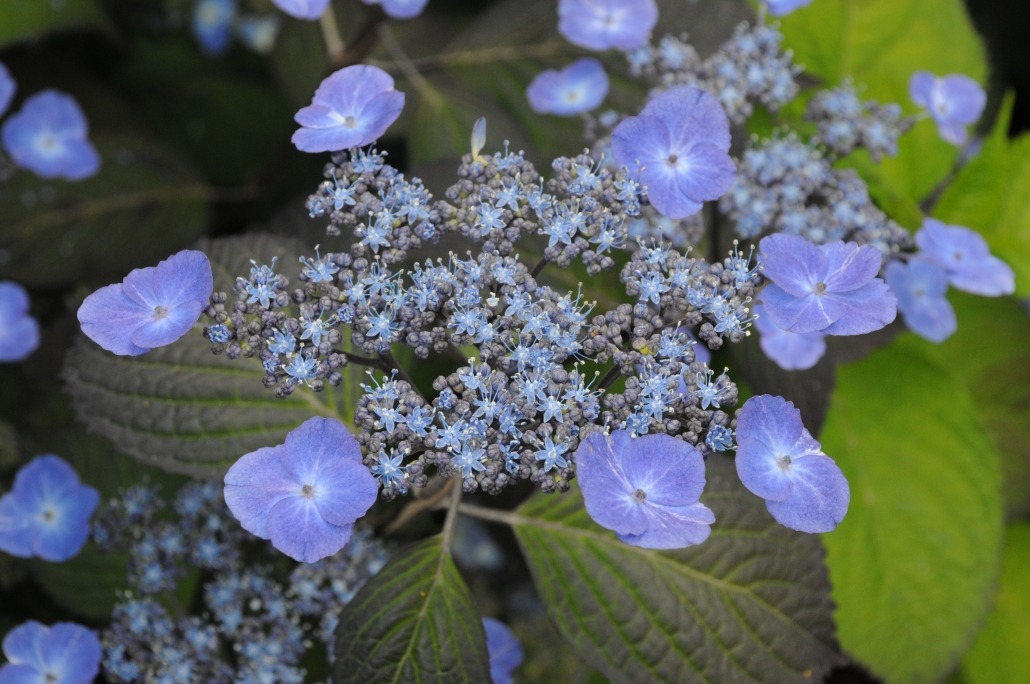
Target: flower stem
491	514
452	516
335	48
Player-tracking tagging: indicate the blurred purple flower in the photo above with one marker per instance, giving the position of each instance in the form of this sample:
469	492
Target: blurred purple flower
212	24
779	8
577	88
778	460
504	648
953	101
967	259
306	494
152	307
646	489
303	9
604	24
7	88
19	331
400	9
830	288
48	136
680	143
351	108
64	653
790	351
47	511
921	287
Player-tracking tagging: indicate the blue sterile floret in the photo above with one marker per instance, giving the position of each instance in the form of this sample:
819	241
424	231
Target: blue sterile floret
605	24
19	331
954	102
7	88
578	88
790	351
504	650
63	653
400	9
779	8
966	258
646	489
779	460
303	9
46	514
212	24
921	287
49	136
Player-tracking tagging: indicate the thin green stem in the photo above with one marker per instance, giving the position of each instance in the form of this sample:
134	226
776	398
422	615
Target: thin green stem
490	514
452	516
335	47
478	57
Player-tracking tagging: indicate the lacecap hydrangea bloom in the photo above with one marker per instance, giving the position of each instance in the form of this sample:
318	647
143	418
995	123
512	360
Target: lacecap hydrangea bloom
954	102
921	288
400	9
504	649
49	136
7	88
351	108
830	288
577	88
790	351
679	145
63	653
604	24
646	489
303	495
303	9
966	258
19	331
780	8
46	513
778	460
152	307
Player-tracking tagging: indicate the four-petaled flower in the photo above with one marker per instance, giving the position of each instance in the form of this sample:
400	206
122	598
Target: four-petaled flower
577	88
646	489
680	143
19	331
779	460
64	653
303	9
604	24
953	101
351	108
47	511
48	136
152	307
303	495
829	288
966	258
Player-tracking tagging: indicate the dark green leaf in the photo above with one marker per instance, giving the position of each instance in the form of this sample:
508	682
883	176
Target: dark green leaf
413	622
184	409
920	544
33	19
751	604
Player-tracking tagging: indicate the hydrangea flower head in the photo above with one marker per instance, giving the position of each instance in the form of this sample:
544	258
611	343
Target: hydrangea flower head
790	351
921	287
19	332
352	107
47	511
577	88
400	9
152	307
680	142
953	101
780	8
967	259
303	9
830	288
604	24
48	136
779	460
7	88
646	489
64	653
306	494
504	649
212	24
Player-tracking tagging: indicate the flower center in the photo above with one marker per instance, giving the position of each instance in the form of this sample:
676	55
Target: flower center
160	312
49	514
820	288
639	496
783	462
350	122
672	159
307	491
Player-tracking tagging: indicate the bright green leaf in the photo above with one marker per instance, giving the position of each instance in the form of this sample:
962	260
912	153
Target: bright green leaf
751	604
413	622
921	542
23	20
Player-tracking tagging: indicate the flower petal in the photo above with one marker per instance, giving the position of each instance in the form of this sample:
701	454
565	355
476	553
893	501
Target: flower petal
296	528
819	500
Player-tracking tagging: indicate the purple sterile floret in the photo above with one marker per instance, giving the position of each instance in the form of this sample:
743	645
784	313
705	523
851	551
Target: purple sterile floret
504	649
646	489
790	351
47	511
679	145
400	9
212	24
19	331
779	8
48	136
152	307
967	259
921	287
577	88
830	288
303	495
953	101
303	9
604	24
7	88
64	653
351	108
778	460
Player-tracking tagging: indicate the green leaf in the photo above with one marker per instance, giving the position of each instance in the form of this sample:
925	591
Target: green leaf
24	20
750	604
999	652
413	622
186	410
143	204
920	544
